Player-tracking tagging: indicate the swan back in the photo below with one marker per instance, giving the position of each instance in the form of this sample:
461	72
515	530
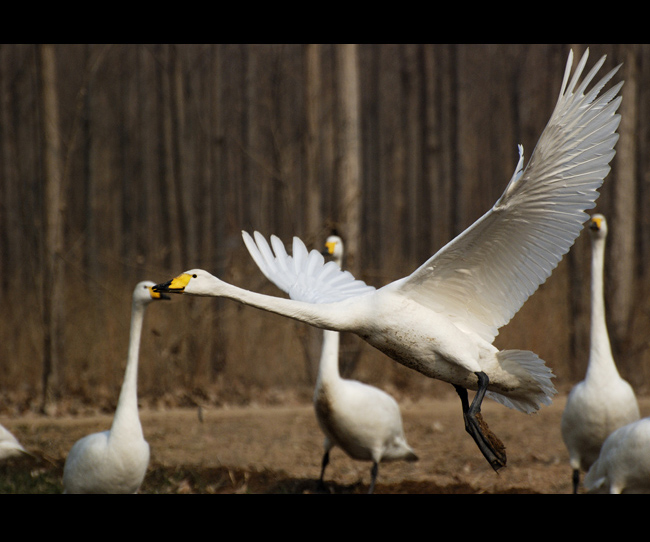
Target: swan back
624	462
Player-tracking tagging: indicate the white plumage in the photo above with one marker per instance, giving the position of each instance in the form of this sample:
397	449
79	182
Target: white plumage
441	320
364	421
603	401
9	445
623	465
116	461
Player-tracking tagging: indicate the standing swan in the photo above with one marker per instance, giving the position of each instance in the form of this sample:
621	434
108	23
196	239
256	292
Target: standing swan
116	461
603	401
442	319
364	421
624	462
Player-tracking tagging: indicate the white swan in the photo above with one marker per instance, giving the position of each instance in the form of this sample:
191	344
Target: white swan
623	465
442	319
9	445
116	461
603	401
364	421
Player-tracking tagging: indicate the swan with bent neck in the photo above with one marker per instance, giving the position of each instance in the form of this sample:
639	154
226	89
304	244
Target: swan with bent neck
623	465
442	319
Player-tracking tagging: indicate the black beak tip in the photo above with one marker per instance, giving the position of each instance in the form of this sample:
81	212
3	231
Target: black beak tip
162	287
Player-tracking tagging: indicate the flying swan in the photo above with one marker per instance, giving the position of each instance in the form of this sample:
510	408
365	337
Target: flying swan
603	401
364	421
442	319
116	461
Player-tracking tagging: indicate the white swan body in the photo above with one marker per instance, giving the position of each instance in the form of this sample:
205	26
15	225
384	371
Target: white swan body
442	319
116	461
9	445
364	421
623	465
603	401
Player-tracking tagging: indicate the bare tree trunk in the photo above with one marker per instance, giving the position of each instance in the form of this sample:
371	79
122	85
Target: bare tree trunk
166	155
350	149
216	225
313	114
173	137
622	239
309	336
412	156
53	246
9	219
441	84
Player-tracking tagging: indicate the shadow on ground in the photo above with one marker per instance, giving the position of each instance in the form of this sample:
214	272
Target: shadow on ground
29	475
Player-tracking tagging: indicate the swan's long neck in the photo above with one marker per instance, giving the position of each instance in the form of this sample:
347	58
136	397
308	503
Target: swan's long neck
601	361
126	419
322	315
328	370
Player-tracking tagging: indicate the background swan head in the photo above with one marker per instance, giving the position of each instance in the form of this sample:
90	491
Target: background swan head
334	248
598	226
144	293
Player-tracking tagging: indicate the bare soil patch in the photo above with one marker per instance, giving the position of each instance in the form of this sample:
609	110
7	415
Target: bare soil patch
278	449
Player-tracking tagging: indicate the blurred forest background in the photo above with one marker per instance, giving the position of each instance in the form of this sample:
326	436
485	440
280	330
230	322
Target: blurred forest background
120	163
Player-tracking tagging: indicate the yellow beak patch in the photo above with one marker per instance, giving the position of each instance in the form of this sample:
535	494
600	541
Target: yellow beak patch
595	222
176	285
330	247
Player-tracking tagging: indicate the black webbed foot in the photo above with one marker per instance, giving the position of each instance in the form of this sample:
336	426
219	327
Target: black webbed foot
488	443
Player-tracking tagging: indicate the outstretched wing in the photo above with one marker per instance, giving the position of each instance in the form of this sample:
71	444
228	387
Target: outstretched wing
482	277
305	275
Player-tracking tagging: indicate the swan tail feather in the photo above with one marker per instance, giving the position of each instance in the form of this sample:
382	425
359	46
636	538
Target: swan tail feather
536	388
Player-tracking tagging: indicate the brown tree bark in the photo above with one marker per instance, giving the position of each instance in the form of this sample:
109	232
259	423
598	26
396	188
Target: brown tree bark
349	150
53	286
622	238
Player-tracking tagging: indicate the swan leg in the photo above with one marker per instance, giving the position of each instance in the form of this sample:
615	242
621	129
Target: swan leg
373	474
576	481
491	447
324	463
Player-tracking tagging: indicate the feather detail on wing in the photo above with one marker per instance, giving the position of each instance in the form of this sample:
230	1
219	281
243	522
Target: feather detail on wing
482	277
305	275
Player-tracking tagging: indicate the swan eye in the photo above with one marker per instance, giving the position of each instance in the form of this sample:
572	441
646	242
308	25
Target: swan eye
194	276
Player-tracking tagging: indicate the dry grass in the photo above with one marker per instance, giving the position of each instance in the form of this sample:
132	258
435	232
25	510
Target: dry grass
212	351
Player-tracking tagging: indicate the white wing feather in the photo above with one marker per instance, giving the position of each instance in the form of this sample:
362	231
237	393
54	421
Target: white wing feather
482	277
305	275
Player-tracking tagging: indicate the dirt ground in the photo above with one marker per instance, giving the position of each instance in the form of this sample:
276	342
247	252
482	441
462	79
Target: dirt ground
278	450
